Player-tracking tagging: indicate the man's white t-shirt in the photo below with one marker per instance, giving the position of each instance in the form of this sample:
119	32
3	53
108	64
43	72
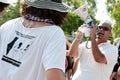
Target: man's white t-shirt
26	53
89	69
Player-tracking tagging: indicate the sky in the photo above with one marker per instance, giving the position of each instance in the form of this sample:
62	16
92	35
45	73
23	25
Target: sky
102	13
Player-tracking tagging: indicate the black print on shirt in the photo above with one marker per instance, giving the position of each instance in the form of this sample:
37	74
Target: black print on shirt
26	47
10	45
11	61
16	48
20	44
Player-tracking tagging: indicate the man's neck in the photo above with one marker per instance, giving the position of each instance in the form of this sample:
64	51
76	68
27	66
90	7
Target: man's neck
33	24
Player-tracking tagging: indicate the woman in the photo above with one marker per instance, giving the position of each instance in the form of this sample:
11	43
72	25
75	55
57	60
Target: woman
33	47
116	70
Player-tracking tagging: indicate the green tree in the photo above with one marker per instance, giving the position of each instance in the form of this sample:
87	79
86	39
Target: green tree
74	3
113	7
73	21
10	13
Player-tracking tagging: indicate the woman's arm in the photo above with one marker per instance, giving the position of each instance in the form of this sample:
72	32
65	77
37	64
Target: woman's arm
55	74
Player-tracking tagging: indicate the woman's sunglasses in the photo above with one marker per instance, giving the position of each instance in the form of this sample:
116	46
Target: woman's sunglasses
104	28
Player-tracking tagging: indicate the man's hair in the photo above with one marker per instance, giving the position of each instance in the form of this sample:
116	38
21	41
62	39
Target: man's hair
57	17
2	6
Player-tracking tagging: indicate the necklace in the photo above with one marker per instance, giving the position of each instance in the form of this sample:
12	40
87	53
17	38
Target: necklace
38	19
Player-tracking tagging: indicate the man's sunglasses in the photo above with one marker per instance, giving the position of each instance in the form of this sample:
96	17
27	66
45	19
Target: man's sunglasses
104	28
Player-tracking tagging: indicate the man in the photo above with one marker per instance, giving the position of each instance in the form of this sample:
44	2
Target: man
33	47
116	70
97	57
3	5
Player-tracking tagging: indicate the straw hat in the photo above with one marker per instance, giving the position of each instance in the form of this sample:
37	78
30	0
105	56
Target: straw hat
49	4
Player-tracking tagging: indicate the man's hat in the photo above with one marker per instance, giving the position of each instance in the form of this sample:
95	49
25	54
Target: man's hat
49	4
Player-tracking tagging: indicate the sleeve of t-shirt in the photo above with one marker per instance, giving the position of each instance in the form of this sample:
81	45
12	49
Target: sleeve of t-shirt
2	30
111	55
55	53
0	36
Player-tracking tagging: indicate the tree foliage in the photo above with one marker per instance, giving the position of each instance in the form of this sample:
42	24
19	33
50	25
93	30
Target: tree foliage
72	23
74	3
113	7
10	13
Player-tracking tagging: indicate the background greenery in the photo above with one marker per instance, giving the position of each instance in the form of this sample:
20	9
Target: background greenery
73	21
10	13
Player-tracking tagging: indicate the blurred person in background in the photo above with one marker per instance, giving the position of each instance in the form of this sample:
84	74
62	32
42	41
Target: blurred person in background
69	62
116	70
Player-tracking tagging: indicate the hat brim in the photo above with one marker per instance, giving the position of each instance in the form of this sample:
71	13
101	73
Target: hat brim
5	2
49	5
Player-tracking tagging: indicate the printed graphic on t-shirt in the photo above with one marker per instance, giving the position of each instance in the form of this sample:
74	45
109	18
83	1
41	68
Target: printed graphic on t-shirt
17	48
